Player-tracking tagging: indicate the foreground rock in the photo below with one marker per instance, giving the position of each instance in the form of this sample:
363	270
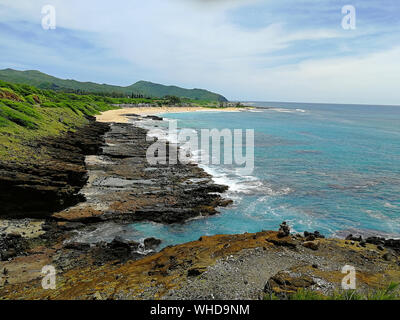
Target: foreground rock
220	267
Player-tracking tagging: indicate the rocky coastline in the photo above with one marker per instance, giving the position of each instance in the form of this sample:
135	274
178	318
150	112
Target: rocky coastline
95	175
99	175
38	188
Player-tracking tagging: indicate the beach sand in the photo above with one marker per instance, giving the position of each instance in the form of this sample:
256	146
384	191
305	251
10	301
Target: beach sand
119	114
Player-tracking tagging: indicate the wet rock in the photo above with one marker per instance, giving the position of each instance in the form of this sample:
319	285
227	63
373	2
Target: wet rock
151	243
154	118
120	243
120	250
68	226
77	246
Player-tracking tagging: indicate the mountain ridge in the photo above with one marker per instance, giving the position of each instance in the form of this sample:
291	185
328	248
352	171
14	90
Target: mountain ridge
145	88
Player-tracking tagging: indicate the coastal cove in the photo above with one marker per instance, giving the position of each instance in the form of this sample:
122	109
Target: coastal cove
303	173
142	231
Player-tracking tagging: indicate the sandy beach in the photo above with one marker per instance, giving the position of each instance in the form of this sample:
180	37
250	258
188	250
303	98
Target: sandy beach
119	114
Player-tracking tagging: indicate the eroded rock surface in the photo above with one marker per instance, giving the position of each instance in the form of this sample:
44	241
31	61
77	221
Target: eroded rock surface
220	267
123	185
39	188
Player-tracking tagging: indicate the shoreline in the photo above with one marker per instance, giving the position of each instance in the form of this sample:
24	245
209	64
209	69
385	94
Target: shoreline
119	115
234	266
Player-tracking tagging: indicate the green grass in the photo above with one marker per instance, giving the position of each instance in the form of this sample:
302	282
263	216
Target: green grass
28	113
390	292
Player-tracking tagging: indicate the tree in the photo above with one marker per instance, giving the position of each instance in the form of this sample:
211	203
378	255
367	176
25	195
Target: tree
173	99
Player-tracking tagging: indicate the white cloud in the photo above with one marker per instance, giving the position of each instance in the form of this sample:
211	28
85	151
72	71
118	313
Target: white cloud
193	44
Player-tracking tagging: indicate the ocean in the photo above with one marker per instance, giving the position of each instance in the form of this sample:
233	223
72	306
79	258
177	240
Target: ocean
326	167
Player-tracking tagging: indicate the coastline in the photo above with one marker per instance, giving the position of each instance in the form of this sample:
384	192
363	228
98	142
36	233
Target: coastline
119	115
234	266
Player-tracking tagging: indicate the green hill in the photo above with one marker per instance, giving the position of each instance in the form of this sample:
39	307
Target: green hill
149	89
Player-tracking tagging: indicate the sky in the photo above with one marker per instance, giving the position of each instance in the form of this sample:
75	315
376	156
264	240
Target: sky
258	50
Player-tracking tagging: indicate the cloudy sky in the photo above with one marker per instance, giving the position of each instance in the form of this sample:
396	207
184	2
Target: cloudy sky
268	50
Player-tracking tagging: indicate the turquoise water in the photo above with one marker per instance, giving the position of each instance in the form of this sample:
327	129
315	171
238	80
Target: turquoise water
320	167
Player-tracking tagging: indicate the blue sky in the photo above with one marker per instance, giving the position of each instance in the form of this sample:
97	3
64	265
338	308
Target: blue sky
286	50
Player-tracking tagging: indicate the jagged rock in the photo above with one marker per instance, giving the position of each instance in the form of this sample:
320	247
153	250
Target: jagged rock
77	246
41	187
119	250
376	240
151	243
119	243
394	244
284	230
131	189
311	236
352	238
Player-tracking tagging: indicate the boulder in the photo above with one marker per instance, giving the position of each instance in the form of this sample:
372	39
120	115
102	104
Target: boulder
151	243
313	245
285	283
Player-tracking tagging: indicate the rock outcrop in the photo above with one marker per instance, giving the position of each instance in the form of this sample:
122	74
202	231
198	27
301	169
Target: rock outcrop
43	186
123	186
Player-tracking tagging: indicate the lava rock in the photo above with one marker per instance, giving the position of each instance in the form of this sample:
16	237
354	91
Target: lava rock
77	246
284	230
151	243
352	238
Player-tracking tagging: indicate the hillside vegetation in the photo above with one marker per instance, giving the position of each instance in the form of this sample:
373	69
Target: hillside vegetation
28	113
141	88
